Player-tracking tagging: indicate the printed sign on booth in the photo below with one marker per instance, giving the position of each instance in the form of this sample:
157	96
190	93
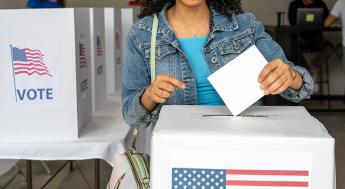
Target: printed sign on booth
83	63
34	72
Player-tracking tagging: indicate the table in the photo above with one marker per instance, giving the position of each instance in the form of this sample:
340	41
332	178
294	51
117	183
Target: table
103	138
288	37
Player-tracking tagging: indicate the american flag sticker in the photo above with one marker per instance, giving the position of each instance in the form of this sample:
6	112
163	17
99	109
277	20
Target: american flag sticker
99	49
82	56
29	62
187	178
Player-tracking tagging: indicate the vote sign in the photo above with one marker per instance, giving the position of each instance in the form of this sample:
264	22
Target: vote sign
35	79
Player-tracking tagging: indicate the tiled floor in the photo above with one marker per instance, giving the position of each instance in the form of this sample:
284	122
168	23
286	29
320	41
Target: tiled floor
335	123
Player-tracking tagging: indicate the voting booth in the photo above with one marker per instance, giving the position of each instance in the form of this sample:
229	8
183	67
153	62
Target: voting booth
113	43
265	147
98	58
44	74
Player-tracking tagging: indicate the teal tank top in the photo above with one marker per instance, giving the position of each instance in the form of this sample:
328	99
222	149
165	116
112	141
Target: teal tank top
192	47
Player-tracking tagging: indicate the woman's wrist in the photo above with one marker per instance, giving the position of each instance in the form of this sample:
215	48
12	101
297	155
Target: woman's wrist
297	80
147	102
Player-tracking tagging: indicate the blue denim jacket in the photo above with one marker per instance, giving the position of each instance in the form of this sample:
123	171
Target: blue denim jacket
227	39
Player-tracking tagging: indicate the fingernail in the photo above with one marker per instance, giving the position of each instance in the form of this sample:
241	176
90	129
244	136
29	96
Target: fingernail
183	86
261	87
267	92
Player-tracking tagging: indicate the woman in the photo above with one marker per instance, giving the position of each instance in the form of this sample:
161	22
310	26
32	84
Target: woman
195	38
337	12
46	4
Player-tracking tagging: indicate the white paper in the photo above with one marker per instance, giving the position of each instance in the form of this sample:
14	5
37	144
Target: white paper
237	82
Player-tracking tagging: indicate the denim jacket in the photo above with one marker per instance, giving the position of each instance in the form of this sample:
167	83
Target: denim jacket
227	39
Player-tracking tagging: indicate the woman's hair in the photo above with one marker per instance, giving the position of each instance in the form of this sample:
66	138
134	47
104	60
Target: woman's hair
225	7
62	3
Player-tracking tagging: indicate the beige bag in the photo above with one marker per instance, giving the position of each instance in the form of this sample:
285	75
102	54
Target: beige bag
131	169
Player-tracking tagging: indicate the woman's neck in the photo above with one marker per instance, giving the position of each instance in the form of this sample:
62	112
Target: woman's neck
189	21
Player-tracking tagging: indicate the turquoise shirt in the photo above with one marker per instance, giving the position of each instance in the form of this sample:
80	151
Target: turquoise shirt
192	47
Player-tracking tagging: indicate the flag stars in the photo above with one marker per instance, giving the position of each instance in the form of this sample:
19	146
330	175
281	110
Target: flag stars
198	179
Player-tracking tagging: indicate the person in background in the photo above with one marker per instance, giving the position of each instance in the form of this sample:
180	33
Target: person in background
37	4
311	41
196	38
338	11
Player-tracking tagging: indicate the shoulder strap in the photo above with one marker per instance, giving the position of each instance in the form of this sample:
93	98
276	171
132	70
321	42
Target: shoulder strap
152	66
153	47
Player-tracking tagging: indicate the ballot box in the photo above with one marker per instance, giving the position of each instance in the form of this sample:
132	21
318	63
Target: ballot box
44	74
113	35
98	58
266	147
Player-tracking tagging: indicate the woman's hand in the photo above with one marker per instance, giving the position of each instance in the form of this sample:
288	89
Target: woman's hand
159	91
277	76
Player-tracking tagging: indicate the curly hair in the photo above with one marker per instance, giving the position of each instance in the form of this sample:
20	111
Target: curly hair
225	7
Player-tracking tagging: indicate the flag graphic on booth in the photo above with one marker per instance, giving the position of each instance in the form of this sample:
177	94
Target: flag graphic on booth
29	62
184	178
99	49
32	78
82	56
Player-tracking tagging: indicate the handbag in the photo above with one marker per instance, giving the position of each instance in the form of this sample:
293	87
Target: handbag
131	169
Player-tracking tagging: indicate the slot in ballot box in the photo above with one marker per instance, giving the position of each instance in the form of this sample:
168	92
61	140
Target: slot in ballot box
44	74
267	147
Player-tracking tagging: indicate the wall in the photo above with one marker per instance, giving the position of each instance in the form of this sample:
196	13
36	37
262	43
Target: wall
262	9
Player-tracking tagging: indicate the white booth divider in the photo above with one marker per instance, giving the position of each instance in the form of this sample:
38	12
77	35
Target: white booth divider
127	22
113	35
98	57
44	74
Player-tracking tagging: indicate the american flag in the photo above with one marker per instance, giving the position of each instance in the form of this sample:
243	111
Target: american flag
99	46
183	178
29	62
82	56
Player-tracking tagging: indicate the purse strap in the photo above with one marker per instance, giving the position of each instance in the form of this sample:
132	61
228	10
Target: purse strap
152	67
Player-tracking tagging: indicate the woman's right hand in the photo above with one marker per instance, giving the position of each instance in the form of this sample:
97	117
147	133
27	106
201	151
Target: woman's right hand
159	91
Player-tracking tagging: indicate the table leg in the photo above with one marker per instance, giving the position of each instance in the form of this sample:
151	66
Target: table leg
29	174
97	174
71	168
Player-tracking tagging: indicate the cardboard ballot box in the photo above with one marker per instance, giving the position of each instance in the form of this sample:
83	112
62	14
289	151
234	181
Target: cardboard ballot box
267	147
44	74
98	56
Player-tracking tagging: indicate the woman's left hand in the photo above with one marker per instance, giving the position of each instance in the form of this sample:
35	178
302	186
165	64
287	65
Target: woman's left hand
276	77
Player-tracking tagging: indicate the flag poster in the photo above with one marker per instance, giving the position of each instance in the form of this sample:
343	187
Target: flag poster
33	69
241	170
84	69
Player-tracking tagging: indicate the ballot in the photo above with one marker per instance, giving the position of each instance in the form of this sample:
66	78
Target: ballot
45	76
241	88
265	147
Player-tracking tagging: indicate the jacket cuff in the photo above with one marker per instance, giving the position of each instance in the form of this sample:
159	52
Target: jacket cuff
145	118
305	91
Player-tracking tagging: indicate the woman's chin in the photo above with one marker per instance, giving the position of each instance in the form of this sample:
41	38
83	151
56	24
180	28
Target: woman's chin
192	3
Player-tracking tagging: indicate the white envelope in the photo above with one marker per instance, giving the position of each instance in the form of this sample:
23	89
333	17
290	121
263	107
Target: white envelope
237	82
